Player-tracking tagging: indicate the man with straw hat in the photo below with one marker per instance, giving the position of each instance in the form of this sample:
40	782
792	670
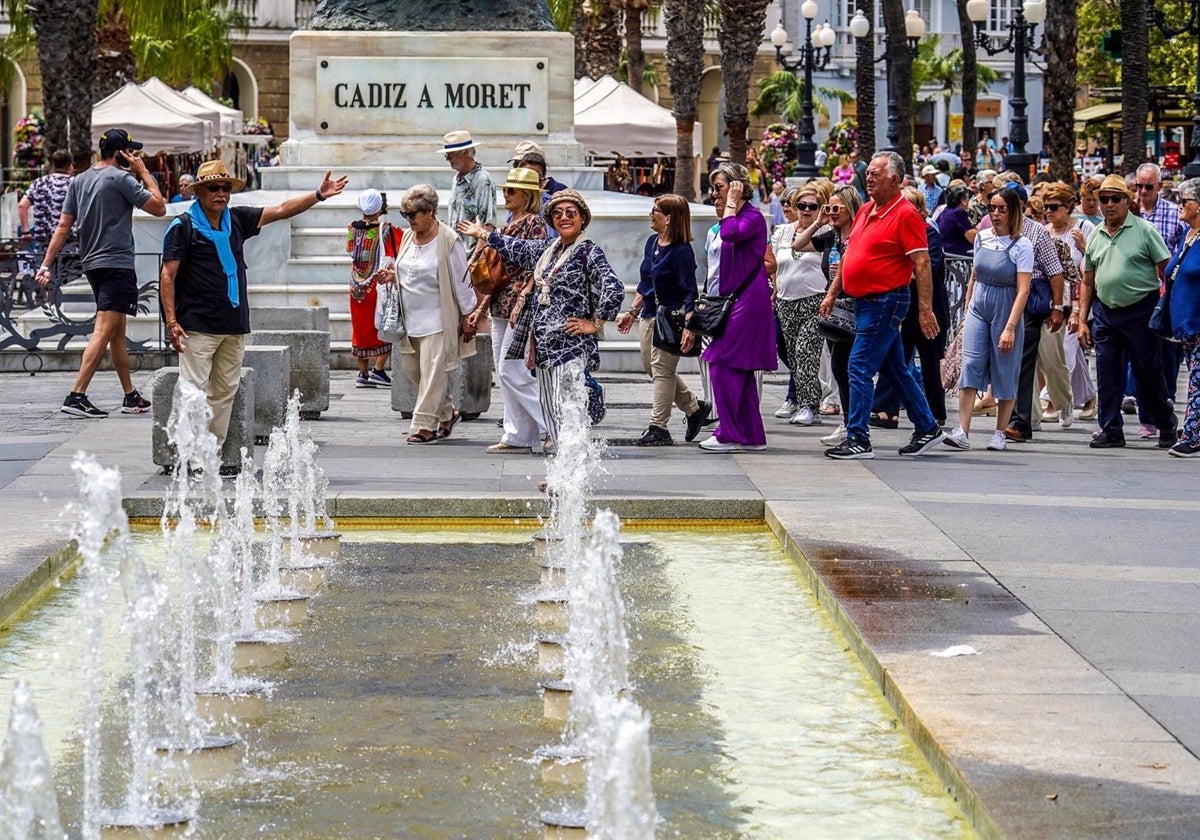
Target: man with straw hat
203	282
1122	270
473	197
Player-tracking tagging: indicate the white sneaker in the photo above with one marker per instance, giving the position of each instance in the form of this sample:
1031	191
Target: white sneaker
714	445
786	410
837	436
805	417
958	439
999	442
1066	417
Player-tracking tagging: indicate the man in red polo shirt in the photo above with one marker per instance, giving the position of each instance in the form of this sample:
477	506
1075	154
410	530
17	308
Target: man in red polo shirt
886	244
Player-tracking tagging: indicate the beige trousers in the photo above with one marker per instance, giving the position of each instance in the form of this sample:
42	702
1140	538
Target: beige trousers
213	363
1052	361
669	388
426	370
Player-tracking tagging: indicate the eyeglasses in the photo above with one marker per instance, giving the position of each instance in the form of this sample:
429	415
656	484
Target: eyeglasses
1053	208
411	214
997	208
1145	187
217	188
809	206
1110	199
657	209
715	188
564	214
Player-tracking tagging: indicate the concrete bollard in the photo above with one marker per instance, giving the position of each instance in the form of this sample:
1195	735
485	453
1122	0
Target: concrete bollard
310	365
276	318
241	422
470	383
272	366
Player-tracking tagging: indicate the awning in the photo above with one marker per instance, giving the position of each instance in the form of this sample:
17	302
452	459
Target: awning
1095	114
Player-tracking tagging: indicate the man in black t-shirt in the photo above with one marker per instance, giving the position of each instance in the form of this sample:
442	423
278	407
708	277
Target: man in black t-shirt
203	283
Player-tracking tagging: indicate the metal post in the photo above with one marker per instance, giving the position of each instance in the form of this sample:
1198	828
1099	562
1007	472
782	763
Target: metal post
1019	160
1192	170
806	152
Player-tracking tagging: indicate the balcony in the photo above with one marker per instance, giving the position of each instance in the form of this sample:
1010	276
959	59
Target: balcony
276	14
653	26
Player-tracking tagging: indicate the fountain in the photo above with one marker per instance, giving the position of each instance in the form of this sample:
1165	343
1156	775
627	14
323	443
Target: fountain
309	547
278	604
28	803
253	647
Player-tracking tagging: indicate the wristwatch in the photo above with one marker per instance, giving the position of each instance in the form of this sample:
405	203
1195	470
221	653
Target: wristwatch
1064	308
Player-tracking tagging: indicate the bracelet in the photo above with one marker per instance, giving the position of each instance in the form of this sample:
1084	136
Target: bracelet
319	196
1009	327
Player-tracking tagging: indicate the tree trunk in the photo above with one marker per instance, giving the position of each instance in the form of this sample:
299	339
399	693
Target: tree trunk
66	38
900	61
864	83
634	53
739	35
684	22
970	76
1135	83
597	39
1061	40
114	63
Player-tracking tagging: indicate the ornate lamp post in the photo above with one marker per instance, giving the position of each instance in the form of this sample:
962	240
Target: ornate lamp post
1191	26
914	29
1020	43
818	40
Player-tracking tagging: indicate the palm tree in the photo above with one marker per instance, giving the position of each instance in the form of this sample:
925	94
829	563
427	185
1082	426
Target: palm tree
597	38
66	43
970	72
634	9
684	21
783	94
1062	61
864	82
740	33
900	60
1135	82
945	72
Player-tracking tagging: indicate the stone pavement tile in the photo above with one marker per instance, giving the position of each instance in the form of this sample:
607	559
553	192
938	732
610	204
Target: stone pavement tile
11	470
1130	641
1129	595
849	527
906	579
944	618
29	449
1039	568
1179	715
1163	683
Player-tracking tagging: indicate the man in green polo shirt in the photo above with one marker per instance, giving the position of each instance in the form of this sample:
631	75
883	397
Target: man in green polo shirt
1122	274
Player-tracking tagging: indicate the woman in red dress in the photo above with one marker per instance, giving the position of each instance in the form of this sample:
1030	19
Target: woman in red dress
372	244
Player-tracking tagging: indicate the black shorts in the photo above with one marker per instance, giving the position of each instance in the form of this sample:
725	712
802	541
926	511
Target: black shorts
116	289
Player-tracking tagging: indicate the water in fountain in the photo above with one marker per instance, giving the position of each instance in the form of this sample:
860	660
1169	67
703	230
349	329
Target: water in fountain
307	491
620	798
276	485
28	803
240	531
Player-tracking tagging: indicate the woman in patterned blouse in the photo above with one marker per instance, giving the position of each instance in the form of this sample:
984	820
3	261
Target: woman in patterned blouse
575	292
523	423
372	244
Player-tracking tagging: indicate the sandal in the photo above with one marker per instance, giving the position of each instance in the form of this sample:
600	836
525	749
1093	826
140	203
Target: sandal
830	410
443	432
882	421
421	437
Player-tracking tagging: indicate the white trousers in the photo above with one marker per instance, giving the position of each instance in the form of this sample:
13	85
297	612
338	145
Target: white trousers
523	421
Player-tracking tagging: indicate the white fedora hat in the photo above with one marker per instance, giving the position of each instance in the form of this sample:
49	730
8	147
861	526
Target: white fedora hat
456	141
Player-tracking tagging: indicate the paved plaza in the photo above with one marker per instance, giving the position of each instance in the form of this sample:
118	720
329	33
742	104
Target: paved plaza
1073	572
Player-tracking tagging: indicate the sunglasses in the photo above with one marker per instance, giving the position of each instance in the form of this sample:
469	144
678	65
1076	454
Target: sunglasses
997	208
810	207
217	188
564	214
1053	208
411	214
715	188
1110	199
1145	187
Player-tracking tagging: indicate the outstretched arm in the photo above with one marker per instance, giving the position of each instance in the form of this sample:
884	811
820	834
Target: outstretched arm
296	206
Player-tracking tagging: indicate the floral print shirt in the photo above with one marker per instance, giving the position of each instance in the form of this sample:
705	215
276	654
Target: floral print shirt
473	199
582	286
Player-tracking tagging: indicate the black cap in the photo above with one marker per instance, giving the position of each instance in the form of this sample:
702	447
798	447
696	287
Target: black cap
116	140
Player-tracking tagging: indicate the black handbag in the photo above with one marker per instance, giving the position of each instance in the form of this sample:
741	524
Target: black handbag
669	325
840	325
1160	318
711	315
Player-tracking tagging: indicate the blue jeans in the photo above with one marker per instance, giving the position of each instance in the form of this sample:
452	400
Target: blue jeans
877	348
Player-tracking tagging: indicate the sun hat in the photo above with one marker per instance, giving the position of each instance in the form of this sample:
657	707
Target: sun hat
522	179
456	141
117	140
525	149
929	170
572	196
370	202
212	170
1115	183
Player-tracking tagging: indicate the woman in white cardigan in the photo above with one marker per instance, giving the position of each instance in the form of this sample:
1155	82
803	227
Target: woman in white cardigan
436	295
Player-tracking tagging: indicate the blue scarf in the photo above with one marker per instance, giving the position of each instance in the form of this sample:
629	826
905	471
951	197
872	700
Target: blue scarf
220	239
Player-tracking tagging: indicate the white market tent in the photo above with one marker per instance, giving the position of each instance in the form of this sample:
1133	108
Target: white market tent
611	116
172	98
231	118
158	127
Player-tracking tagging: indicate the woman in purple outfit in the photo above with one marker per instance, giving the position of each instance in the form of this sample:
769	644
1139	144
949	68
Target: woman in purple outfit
735	247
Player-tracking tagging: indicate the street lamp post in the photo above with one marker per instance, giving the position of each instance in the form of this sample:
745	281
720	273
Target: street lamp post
818	40
1020	43
914	28
1191	26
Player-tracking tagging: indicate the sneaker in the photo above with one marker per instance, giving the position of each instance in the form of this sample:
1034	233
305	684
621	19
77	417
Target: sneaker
999	441
363	381
1167	438
1066	417
922	443
1184	450
714	445
805	416
380	378
655	436
230	471
1147	432
134	403
837	436
1129	405
786	410
957	439
78	405
503	448
1100	440
851	450
696	420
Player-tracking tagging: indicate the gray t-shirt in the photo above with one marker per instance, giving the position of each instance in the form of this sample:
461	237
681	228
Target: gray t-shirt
102	200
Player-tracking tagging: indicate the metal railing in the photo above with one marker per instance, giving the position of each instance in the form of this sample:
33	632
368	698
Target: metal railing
654	27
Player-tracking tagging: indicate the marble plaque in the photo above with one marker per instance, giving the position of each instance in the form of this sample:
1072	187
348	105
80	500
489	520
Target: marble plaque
405	96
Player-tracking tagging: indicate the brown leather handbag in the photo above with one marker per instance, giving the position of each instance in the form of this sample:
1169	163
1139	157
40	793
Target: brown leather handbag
487	271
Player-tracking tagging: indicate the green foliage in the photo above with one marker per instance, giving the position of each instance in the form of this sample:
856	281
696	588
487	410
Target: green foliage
782	94
651	73
562	13
20	38
180	41
1172	61
944	71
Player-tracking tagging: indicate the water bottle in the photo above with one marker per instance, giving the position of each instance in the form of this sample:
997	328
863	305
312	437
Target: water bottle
835	257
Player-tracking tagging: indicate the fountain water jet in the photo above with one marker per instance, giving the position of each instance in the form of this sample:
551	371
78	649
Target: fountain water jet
28	803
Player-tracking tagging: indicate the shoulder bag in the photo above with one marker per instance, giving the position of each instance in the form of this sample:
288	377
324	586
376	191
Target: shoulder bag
840	325
1160	318
487	270
389	313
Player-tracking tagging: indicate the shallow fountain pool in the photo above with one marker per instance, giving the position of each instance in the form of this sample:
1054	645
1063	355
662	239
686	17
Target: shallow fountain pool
409	703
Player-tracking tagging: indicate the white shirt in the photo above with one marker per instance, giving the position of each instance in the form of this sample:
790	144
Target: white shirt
798	274
712	248
1021	254
417	274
